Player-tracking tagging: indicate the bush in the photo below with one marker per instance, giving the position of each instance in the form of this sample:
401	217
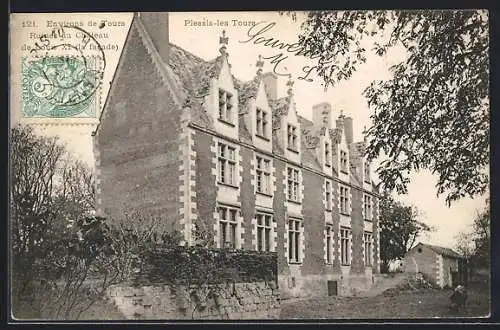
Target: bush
201	265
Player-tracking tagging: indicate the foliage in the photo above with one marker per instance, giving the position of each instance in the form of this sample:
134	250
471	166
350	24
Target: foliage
199	265
48	190
475	244
78	269
399	229
56	242
433	112
465	244
481	239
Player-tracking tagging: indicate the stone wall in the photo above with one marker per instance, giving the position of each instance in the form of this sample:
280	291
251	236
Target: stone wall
233	301
137	143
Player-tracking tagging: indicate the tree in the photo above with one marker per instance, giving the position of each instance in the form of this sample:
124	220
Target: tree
52	197
399	229
433	113
34	163
482	238
465	244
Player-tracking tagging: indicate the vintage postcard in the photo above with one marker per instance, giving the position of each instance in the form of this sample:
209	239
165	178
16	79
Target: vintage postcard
249	165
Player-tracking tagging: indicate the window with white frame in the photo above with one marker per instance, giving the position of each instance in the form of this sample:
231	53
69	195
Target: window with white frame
228	227
262	123
226	160
292	138
367	172
368	207
368	239
343	161
345	245
328	195
328	155
263	173
329	244
293	184
264	229
294	240
225	106
344	200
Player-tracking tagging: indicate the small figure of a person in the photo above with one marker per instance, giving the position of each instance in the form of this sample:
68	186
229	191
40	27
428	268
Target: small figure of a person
458	298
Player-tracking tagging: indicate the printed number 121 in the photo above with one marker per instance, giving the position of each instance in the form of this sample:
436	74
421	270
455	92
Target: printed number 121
29	24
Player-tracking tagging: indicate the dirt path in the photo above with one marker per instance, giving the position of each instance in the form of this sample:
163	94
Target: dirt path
430	303
383	284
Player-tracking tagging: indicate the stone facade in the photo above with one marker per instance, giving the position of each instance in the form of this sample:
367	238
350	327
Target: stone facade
173	167
438	264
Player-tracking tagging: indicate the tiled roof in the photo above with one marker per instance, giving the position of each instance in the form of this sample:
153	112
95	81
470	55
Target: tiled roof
443	251
245	134
280	106
247	91
190	76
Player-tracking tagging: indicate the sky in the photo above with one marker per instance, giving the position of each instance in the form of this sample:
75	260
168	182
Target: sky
193	32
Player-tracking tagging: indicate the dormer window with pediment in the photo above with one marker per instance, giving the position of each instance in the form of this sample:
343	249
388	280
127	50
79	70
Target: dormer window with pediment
328	154
292	138
225	106
367	172
344	162
262	124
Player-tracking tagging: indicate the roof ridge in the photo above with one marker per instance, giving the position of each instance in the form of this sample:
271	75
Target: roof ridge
163	68
188	52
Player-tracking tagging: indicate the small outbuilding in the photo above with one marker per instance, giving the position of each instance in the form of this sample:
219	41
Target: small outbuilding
440	265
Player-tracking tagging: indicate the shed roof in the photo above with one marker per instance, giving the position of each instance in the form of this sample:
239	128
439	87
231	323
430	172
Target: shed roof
447	252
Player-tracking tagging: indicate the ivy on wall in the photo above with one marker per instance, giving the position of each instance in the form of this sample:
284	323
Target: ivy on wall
201	265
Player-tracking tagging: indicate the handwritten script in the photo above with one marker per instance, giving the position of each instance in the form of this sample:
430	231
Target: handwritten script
258	34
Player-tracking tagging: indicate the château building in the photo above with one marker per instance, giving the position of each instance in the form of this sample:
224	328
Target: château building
182	140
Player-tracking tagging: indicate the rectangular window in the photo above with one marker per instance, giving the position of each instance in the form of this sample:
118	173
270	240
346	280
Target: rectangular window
368	207
344	200
228	225
329	241
328	195
225	106
263	173
293	184
367	172
343	161
293	240
345	246
226	160
264	231
292	137
261	123
328	157
368	237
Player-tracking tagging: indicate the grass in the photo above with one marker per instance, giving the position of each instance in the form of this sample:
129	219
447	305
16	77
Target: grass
425	303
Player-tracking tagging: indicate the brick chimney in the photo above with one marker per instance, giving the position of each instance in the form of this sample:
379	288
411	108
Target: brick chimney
156	23
348	129
271	85
322	115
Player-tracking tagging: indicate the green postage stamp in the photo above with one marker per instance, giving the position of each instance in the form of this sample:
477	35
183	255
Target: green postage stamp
62	76
58	87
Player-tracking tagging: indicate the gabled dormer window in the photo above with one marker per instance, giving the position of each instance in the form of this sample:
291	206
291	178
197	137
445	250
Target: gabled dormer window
367	172
225	106
328	156
343	161
261	126
292	137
